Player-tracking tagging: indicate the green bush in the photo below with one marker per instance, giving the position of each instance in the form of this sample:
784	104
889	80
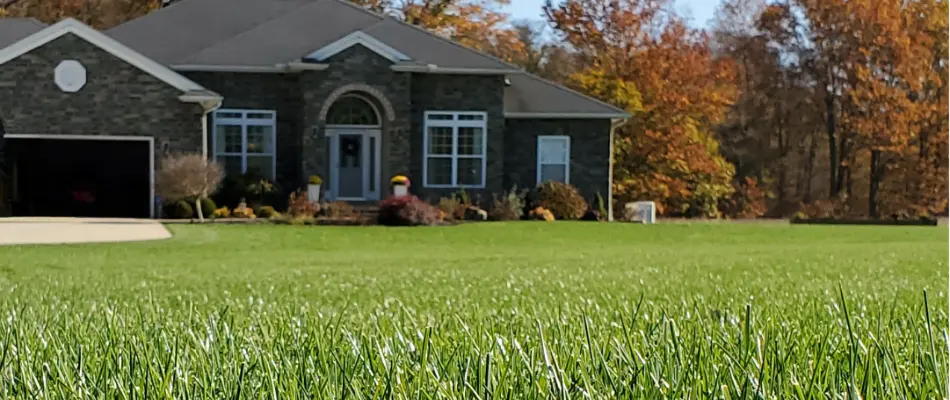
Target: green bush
267	212
180	209
207	208
563	200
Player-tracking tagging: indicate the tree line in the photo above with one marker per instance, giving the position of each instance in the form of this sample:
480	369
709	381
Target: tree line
820	107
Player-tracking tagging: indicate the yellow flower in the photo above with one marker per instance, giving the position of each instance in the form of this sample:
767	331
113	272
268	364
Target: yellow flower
399	180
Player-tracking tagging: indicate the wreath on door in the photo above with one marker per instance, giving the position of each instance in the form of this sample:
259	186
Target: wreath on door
351	148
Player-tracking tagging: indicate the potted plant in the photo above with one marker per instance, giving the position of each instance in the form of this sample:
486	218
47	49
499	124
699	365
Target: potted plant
400	185
313	188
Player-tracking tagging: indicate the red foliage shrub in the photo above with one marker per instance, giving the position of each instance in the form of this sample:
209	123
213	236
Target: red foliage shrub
407	211
300	206
747	201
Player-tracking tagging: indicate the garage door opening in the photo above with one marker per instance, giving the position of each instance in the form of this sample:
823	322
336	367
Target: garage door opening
79	178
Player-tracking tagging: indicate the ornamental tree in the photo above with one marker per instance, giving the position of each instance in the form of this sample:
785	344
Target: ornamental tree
188	177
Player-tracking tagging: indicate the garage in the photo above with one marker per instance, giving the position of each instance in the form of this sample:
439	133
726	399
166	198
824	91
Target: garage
79	176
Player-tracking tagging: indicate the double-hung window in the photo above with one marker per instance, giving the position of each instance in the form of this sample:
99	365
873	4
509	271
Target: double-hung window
554	159
244	141
455	147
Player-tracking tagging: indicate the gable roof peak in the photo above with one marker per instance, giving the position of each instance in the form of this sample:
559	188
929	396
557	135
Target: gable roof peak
100	40
358	38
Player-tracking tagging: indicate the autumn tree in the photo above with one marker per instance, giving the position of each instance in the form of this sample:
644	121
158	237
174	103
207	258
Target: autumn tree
188	177
640	56
101	14
478	24
869	75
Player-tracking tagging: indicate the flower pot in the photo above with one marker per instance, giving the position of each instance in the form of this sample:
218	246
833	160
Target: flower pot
313	193
400	190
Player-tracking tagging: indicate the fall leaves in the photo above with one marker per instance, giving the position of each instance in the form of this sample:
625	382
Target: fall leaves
643	58
868	78
774	96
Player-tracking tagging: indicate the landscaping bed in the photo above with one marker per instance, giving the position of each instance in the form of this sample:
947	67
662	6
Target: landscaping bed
857	221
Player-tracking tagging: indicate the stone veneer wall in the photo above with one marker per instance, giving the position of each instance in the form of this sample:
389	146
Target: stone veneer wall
590	152
260	91
460	93
357	67
118	99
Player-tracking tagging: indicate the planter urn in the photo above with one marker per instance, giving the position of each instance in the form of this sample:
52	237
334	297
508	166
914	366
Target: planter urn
313	192
400	186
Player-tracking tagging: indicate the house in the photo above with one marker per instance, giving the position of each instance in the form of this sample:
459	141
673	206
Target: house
286	89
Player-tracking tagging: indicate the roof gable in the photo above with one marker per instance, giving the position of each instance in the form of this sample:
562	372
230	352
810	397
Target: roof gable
358	38
14	29
72	26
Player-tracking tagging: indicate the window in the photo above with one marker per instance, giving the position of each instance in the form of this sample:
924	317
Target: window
554	159
454	147
244	140
352	110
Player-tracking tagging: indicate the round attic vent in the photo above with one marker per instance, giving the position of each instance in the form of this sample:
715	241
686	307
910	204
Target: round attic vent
70	76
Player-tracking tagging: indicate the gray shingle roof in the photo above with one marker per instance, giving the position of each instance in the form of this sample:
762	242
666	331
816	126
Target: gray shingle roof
529	94
175	33
428	48
267	33
287	38
14	29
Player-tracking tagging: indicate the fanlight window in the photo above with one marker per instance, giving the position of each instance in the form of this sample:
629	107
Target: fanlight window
352	110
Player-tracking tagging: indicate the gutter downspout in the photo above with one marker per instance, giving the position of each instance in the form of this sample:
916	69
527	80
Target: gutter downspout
204	125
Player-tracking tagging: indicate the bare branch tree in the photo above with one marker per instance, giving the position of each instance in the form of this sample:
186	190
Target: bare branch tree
188	176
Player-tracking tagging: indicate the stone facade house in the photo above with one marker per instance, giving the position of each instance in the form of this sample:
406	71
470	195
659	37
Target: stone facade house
262	87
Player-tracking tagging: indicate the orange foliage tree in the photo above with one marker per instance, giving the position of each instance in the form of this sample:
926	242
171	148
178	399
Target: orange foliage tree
639	56
479	24
101	14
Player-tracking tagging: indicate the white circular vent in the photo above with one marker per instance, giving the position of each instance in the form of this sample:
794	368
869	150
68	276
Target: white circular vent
70	76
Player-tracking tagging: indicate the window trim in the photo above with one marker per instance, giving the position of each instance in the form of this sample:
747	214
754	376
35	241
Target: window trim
455	123
566	164
245	122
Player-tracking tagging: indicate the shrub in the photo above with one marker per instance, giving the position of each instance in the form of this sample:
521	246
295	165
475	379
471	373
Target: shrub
407	211
452	207
251	187
315	180
180	209
339	210
596	211
243	211
563	200
825	208
541	214
222	212
299	205
267	212
207	207
473	213
508	207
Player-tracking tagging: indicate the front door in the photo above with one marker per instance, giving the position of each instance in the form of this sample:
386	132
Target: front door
354	164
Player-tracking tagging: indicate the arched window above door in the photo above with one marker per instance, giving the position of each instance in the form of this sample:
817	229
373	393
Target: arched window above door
352	110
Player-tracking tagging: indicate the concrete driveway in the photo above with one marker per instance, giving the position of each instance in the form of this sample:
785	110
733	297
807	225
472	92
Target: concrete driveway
78	230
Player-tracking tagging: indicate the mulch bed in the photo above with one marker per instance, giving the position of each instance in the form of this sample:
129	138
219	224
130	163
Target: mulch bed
886	222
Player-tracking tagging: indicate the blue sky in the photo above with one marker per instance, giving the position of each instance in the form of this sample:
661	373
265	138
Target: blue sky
699	11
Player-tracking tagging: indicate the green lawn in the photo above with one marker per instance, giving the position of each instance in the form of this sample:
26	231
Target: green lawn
518	310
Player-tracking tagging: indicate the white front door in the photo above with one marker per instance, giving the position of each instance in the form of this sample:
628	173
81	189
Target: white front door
354	164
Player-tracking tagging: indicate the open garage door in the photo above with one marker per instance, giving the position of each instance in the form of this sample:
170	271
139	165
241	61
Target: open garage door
80	177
